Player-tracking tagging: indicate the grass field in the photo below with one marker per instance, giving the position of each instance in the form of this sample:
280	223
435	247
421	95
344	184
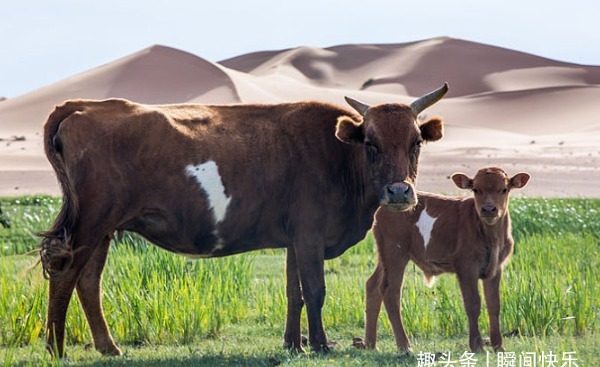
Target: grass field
165	310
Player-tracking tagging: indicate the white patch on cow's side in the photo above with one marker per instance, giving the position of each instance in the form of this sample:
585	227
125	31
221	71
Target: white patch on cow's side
207	176
425	225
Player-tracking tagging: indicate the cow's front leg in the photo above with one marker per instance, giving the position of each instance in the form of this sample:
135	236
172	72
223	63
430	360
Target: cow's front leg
310	261
292	337
472	300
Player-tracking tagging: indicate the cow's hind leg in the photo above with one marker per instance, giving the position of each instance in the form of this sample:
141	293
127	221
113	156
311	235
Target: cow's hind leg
62	284
89	290
292	336
59	295
311	262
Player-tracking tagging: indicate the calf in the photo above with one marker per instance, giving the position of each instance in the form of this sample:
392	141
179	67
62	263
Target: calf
467	236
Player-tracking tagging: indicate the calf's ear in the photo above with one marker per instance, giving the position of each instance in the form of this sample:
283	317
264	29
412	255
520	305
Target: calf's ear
462	181
349	131
519	180
432	129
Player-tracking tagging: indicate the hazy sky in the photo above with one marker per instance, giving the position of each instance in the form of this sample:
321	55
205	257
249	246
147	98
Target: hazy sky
43	41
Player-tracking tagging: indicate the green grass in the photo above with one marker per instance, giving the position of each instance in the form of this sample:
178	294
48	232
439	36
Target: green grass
166	310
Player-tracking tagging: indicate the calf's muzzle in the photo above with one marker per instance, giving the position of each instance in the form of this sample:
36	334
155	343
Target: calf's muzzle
489	211
489	214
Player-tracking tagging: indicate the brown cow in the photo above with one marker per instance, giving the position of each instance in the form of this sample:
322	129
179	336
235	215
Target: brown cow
467	236
208	181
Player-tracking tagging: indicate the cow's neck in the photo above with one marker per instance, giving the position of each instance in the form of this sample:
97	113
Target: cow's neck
358	207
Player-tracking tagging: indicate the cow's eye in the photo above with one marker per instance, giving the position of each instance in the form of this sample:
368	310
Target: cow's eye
371	148
505	191
475	191
417	147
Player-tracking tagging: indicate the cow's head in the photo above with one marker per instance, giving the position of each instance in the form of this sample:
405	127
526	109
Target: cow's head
491	187
391	138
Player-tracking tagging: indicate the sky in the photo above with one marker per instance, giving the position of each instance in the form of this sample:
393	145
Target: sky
44	41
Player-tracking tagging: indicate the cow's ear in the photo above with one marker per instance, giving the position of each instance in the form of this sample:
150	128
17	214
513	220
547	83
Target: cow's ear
519	180
349	131
462	181
432	129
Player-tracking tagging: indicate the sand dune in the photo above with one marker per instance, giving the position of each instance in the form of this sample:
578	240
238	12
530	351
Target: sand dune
507	108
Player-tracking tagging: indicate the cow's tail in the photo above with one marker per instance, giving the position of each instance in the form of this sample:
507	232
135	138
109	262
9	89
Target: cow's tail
56	246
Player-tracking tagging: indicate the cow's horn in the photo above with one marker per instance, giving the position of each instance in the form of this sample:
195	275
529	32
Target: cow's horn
427	100
358	106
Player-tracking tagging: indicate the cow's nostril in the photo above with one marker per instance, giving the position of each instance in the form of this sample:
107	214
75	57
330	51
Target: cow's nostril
391	190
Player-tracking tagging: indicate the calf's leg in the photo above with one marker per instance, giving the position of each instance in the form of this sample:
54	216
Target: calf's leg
472	302
373	306
491	289
89	290
392	296
292	337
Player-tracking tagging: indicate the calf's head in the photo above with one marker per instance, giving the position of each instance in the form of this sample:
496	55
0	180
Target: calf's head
491	187
391	139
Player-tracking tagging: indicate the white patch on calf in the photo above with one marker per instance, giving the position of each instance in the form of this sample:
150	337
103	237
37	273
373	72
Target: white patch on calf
209	180
425	225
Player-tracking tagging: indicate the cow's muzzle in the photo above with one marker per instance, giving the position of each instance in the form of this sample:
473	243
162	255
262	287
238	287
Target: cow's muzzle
398	196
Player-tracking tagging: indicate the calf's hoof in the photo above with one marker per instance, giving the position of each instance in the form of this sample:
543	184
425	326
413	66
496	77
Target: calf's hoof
476	344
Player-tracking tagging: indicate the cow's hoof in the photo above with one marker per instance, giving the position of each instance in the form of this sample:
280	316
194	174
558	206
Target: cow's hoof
110	351
294	349
321	348
325	348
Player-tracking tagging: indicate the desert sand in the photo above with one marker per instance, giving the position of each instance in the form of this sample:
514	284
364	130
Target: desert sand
505	108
